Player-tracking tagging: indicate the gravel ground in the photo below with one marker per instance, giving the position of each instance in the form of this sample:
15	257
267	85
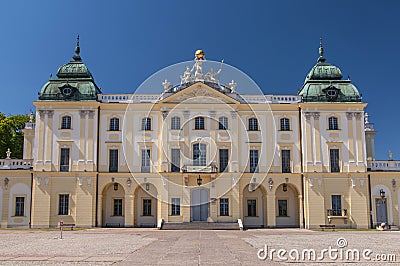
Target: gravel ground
154	247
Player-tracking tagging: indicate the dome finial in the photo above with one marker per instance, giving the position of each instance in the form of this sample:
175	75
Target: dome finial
77	57
321	51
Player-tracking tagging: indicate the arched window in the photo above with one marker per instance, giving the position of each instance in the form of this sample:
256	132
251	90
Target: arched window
175	122
199	123
146	123
66	122
285	124
114	124
253	124
223	122
333	123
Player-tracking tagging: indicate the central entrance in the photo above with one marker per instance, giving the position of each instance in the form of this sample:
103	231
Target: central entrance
199	204
381	211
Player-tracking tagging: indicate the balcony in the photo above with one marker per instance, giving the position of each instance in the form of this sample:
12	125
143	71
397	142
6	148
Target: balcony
15	164
336	214
200	168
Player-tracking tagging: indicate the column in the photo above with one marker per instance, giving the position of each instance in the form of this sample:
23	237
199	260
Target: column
49	140
234	131
82	140
271	213
358	138
307	136
350	131
317	141
129	210
91	146
301	217
186	130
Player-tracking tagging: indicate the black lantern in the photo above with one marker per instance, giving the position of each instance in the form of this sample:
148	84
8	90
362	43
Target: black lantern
382	193
199	181
115	186
284	187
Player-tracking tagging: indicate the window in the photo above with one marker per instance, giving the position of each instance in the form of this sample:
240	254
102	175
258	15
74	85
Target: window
176	206
146	123
114	124
252	207
336	205
282	208
224	207
334	158
66	122
223	160
175	123
333	123
285	155
253	124
175	160
223	123
253	161
19	206
63	204
146	207
145	161
199	123
199	154
285	124
113	161
64	160
117	207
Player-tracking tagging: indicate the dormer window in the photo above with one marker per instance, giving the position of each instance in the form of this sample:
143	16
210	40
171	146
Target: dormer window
331	93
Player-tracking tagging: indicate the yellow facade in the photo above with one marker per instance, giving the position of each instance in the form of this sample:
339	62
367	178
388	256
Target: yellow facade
112	161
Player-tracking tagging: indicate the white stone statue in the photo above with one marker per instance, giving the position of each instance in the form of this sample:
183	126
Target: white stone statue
390	156
31	117
198	73
232	86
8	153
186	76
167	85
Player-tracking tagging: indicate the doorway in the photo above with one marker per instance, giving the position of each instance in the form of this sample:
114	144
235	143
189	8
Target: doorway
199	205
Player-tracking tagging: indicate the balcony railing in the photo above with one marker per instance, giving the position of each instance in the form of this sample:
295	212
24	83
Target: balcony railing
14	164
336	212
384	165
200	169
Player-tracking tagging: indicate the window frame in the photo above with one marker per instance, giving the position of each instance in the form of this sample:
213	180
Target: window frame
252	124
199	123
66	124
223	123
280	214
146	124
286	162
334	163
114	124
333	123
146	203
65	167
175	123
113	160
175	163
145	160
248	209
175	206
19	210
63	210
224	207
119	211
199	159
334	203
254	166
285	124
221	159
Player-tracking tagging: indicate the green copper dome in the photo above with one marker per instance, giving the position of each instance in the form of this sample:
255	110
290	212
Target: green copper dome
324	84
74	82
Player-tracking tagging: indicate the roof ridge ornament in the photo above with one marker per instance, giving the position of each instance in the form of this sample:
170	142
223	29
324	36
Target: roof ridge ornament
321	51
77	57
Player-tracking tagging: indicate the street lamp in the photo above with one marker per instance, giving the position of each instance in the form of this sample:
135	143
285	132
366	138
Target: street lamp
382	193
199	181
284	187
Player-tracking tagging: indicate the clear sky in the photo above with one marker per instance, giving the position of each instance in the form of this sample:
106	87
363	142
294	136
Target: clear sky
274	42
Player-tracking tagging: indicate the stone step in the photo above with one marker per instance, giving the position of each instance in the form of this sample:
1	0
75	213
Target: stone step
200	226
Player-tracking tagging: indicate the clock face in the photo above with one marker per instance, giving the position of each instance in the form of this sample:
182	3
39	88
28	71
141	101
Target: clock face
67	91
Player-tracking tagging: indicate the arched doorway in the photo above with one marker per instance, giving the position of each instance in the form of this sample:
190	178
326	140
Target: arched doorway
287	206
199	208
253	207
113	205
146	206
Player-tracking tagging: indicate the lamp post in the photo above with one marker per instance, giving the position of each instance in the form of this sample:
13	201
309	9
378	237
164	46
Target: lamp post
382	193
284	187
199	181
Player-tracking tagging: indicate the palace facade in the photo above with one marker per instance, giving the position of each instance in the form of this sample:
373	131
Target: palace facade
199	151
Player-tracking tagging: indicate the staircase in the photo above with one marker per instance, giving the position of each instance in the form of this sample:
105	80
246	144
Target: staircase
200	226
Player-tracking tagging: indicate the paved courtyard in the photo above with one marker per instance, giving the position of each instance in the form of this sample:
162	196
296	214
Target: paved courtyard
154	247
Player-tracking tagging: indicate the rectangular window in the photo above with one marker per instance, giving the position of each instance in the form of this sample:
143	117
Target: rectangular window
223	123
19	206
337	205
282	208
334	159
66	122
117	207
175	160
199	154
224	207
63	204
252	208
146	123
253	161
146	207
175	123
113	164
253	124
285	161
145	161
176	206
285	124
199	123
223	160
64	160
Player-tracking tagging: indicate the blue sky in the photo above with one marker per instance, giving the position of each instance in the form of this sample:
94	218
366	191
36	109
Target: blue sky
274	42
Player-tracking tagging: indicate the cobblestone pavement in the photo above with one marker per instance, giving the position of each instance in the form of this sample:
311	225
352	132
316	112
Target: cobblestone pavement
154	247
